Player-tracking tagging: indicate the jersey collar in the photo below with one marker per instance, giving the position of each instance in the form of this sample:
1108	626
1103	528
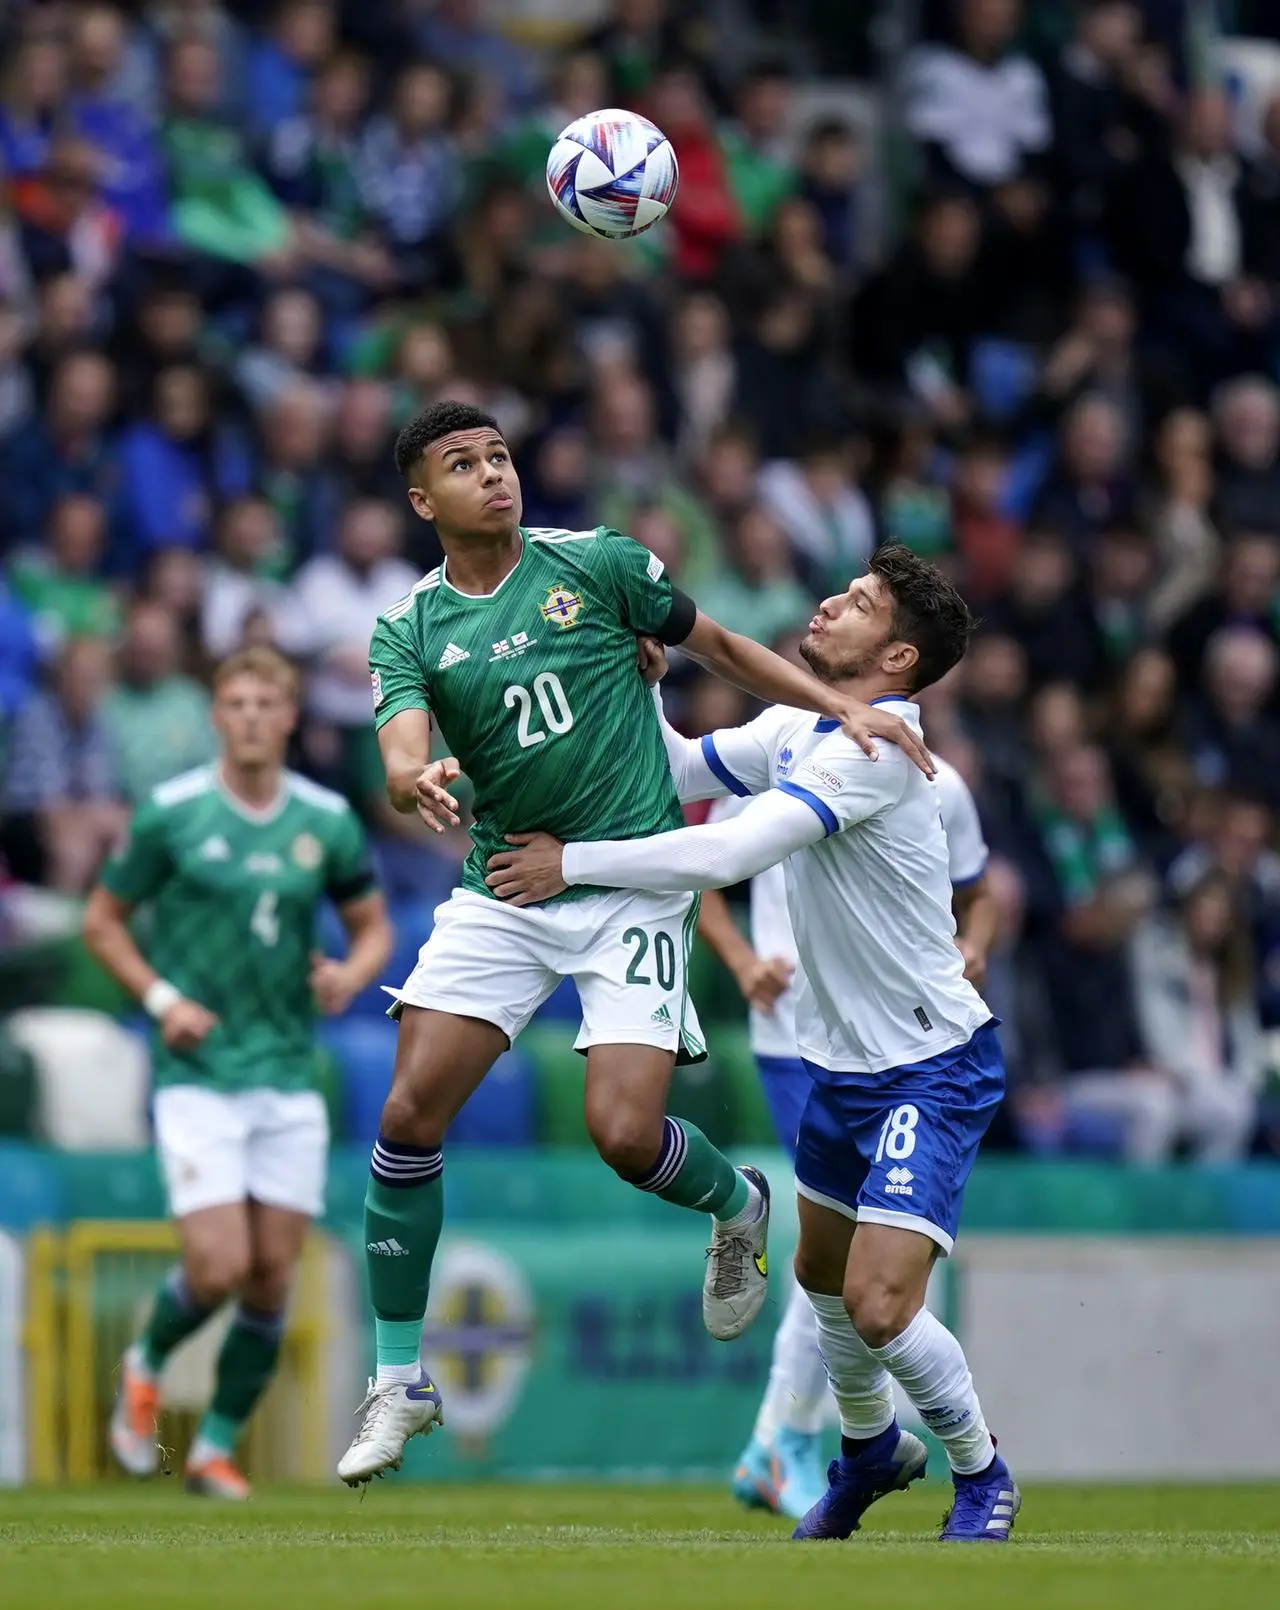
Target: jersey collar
258	814
478	597
830	724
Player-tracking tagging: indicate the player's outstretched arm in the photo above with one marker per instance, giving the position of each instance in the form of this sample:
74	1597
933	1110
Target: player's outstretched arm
415	782
713	856
767	675
183	1023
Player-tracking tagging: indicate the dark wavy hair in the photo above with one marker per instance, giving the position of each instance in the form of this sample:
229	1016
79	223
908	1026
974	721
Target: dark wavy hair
928	612
441	419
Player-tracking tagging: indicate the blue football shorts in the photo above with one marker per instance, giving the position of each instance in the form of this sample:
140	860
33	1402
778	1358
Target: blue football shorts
897	1147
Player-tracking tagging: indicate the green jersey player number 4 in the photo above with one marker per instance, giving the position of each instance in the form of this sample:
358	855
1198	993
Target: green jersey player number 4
232	863
522	647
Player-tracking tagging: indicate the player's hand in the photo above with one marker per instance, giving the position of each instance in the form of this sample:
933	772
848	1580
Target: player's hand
975	962
763	979
185	1025
331	984
530	873
652	659
436	805
864	723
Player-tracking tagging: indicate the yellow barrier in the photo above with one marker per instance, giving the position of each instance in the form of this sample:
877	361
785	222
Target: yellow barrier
88	1290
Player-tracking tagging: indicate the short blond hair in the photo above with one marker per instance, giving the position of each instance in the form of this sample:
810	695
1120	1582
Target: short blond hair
263	661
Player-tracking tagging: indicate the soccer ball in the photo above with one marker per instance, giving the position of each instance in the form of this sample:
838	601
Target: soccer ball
612	174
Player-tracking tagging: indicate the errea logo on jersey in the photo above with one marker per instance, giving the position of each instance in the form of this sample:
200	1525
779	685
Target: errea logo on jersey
785	757
453	655
511	648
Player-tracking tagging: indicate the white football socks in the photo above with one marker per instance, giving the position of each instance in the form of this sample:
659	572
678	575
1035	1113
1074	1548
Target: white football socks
929	1363
861	1383
404	1374
797	1397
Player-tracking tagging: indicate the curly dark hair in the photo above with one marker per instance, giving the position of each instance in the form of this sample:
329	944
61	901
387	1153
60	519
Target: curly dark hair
441	419
928	612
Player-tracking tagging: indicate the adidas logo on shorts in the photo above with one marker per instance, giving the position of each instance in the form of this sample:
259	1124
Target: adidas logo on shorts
662	1015
388	1249
453	655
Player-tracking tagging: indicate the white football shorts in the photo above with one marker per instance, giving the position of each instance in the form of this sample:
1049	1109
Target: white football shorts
627	952
227	1146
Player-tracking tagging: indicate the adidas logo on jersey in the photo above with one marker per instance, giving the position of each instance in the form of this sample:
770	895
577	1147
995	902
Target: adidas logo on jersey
662	1015
898	1181
388	1249
215	849
453	655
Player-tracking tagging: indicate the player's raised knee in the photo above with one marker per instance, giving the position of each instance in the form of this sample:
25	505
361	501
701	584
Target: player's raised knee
627	1142
410	1120
215	1273
879	1309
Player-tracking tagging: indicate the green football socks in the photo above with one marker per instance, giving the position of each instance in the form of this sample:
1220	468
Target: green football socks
403	1216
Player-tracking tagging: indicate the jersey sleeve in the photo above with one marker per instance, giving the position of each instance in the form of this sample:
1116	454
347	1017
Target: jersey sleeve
141	862
643	588
396	671
349	871
843	786
967	852
743	757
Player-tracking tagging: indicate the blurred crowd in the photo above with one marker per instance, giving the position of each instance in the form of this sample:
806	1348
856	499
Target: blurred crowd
1028	323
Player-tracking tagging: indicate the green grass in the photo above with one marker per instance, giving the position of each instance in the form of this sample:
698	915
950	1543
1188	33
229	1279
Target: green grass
486	1548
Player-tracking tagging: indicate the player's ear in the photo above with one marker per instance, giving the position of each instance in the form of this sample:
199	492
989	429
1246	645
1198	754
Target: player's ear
421	504
901	658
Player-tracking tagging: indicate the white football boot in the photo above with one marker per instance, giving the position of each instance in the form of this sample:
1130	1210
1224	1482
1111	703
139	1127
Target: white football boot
737	1279
393	1412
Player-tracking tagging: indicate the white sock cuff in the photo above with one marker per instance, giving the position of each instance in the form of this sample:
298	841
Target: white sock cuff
910	1346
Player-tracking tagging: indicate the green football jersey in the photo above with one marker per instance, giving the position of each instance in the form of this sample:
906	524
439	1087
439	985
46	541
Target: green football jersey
536	690
234	896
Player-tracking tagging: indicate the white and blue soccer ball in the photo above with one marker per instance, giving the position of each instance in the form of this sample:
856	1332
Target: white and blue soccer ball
612	174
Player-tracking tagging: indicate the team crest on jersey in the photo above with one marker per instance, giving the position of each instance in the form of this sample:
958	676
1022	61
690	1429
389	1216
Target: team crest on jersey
562	607
307	851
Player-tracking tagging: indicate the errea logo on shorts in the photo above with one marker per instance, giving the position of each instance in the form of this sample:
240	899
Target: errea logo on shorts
898	1181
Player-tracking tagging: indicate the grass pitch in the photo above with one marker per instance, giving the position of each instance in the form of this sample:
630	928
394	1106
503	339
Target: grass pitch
558	1548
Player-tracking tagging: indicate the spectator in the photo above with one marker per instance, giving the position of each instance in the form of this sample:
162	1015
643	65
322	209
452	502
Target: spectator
1246	413
1094	111
1043	608
363	459
914	507
68	450
281	65
703	371
758	593
823	511
67	320
288	349
237	578
1091	486
831	171
754	144
1183	233
165	329
1149	763
62	809
638	38
914	322
1246	595
631	468
708	219
65	228
17	655
781	390
408	172
1233	739
1187	547
174	467
986	533
1198	1020
327	618
221	207
158	720
16	388
61	583
122	136
292	474
978	108
34	88
455	34
1087	892
1120	579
